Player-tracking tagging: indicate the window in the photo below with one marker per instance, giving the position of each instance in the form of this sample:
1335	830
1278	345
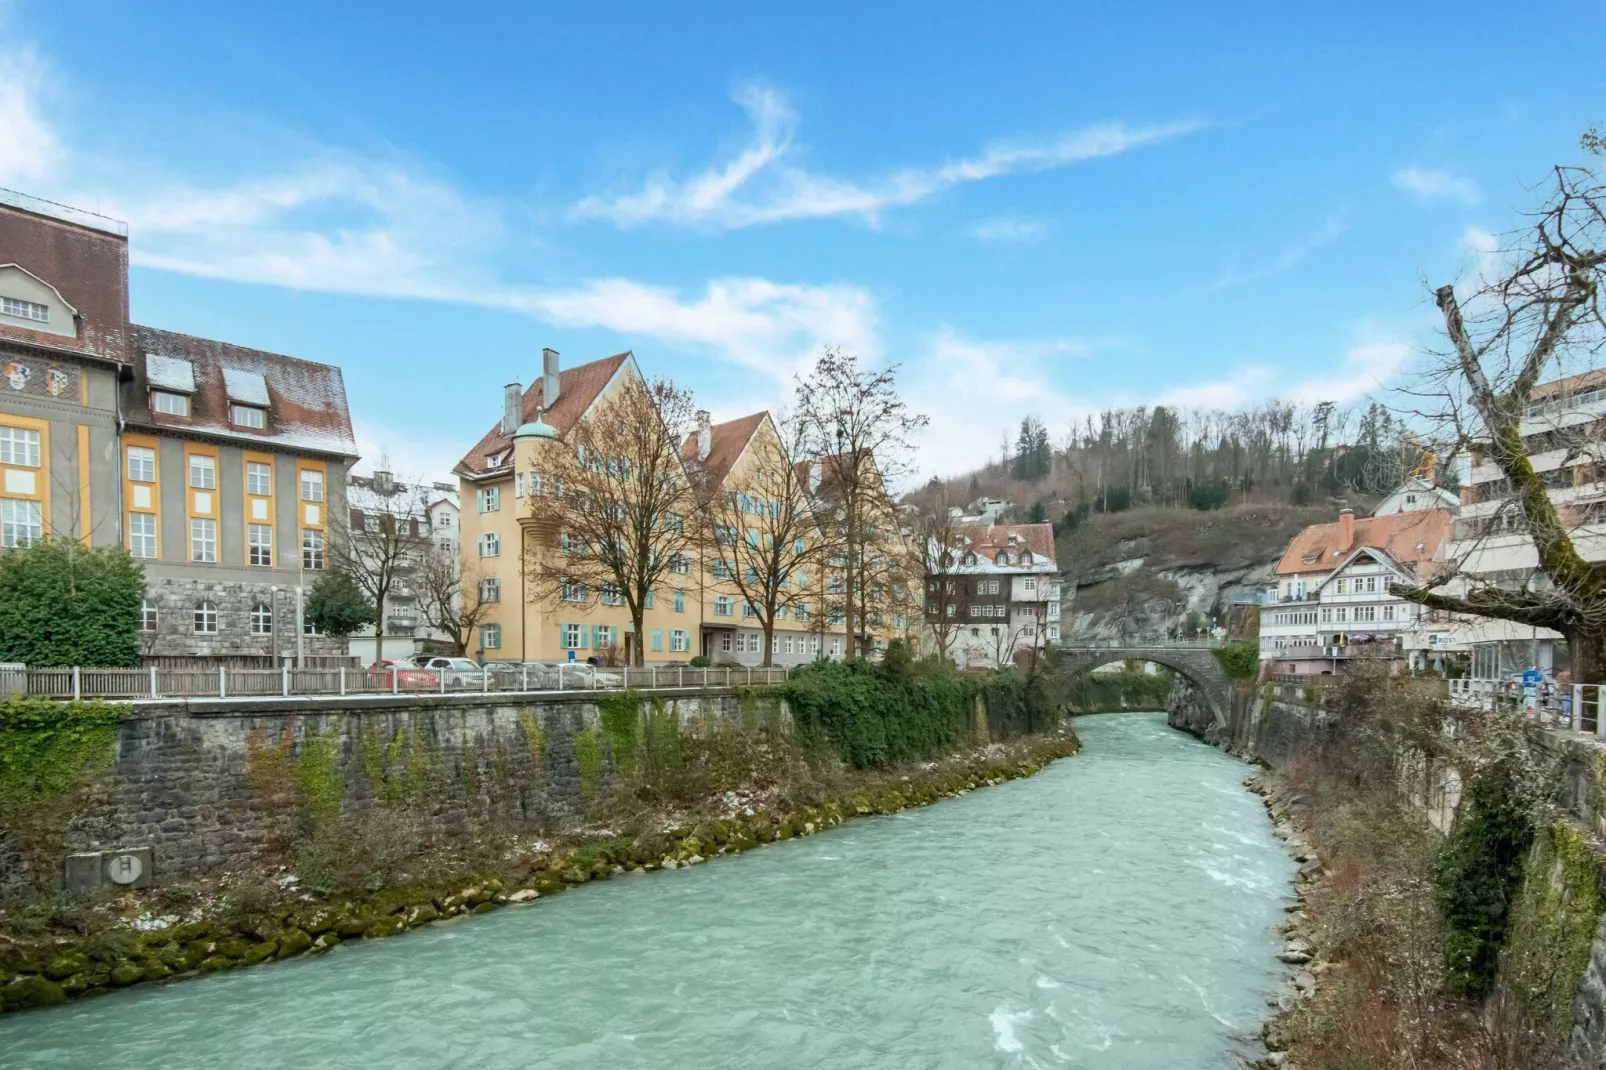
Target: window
370	522
573	636
725	641
311	485
206	618
749	610
21	522
141	462
674	522
679	564
651	600
490	590
611	595
658	640
1341	614
1029	585
28	310
536	484
802	580
722	570
679	641
490	544
258	478
261	619
311	548
1340	585
490	499
19	447
259	544
1365	613
1371	585
250	416
170	404
203	540
1388	612
680	601
494	460
490	636
147	616
797	548
142	534
309	628
802	611
203	471
1327	615
724	605
752	537
571	591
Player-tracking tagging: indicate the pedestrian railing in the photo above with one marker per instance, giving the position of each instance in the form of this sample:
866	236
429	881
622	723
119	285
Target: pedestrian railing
1574	708
230	683
1136	644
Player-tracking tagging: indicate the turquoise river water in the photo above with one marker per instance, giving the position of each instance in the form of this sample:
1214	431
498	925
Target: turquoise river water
1117	910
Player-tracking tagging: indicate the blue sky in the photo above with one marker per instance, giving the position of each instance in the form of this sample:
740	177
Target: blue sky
1035	208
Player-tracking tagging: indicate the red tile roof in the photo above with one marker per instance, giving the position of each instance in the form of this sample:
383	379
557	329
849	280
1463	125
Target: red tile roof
87	265
728	440
578	387
1412	539
986	540
306	401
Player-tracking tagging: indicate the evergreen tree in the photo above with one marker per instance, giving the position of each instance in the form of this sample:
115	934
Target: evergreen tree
337	605
62	603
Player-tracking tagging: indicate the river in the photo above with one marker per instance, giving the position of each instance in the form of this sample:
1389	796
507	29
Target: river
1117	910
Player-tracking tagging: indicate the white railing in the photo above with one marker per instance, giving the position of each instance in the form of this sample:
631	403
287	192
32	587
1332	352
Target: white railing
1572	708
1141	644
230	683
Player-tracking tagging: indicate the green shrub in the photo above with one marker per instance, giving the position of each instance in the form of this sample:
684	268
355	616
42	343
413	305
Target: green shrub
1238	660
874	716
1478	876
62	603
336	605
699	662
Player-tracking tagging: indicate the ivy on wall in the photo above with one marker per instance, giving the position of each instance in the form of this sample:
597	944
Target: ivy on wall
1238	660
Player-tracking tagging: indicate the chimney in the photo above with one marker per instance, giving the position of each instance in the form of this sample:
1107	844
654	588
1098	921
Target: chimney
1346	528
512	403
550	386
705	435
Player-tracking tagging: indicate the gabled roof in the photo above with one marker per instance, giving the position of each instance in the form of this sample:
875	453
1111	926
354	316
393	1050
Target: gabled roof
727	441
306	408
1381	556
578	387
986	541
83	258
1409	538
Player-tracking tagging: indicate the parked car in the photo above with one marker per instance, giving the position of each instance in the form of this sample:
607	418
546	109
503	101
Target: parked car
459	672
577	675
400	674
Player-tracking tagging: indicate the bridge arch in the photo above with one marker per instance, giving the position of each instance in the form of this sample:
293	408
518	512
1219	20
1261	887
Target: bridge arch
1196	664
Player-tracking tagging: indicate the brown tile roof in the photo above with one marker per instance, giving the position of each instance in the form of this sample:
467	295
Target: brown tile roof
728	440
577	388
1412	539
986	540
86	264
306	401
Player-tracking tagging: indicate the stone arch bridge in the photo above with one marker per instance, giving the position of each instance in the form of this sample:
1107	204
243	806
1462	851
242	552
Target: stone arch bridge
1194	661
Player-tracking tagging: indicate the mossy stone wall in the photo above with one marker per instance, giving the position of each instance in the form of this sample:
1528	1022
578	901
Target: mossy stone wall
212	785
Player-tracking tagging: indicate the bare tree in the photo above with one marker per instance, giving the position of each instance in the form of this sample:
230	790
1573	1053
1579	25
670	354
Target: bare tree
858	429
618	515
1537	317
380	542
947	591
761	536
451	599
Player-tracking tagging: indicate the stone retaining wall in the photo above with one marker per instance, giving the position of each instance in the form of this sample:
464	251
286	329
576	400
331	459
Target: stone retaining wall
210	785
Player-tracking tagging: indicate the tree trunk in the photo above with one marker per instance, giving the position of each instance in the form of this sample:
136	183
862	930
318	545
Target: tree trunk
1586	650
638	649
769	642
379	629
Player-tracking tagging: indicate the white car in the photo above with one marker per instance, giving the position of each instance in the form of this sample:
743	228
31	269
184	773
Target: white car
458	672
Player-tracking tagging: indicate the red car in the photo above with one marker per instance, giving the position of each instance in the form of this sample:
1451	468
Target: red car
401	674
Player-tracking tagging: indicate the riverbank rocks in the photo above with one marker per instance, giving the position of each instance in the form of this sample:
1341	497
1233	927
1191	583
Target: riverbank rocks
45	972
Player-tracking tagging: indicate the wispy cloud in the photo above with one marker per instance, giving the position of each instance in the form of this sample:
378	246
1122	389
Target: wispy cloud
1429	185
763	184
29	149
1011	230
1285	260
977	391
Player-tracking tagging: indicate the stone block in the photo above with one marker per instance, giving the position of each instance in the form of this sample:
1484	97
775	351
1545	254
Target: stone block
82	873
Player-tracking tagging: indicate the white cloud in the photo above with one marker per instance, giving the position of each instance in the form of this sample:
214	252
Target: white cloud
29	148
978	391
1287	259
1482	247
761	184
1436	185
1008	229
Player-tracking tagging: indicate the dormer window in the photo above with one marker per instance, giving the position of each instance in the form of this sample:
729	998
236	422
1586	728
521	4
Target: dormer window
494	460
250	416
1002	558
26	310
248	398
170	404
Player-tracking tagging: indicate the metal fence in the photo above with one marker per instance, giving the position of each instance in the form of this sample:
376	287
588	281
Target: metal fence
1574	708
229	683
